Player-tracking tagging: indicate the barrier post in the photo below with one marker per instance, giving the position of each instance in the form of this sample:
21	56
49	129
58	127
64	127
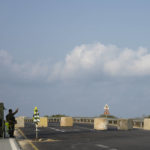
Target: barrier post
36	120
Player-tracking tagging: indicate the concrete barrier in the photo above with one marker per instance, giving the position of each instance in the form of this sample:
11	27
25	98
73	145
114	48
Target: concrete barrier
125	124
20	122
66	121
100	124
147	124
43	122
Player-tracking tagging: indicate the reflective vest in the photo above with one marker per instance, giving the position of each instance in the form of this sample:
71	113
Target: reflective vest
6	126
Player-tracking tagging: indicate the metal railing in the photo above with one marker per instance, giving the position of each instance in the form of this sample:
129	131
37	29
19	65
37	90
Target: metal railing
138	123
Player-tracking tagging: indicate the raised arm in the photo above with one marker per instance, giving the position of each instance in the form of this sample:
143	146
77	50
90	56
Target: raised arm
15	111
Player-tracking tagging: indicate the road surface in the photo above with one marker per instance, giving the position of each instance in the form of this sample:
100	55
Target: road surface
83	137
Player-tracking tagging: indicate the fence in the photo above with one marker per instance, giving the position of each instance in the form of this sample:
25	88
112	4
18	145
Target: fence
28	122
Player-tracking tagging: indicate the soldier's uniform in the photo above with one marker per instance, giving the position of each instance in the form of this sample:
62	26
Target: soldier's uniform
11	121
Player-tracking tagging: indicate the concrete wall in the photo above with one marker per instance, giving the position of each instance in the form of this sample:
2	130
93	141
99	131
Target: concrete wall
43	122
100	124
20	122
147	124
125	124
66	121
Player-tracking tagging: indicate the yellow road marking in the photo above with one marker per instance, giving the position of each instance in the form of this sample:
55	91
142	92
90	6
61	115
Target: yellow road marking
33	146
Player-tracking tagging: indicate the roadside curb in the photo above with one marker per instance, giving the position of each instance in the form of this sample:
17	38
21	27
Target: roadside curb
25	140
14	144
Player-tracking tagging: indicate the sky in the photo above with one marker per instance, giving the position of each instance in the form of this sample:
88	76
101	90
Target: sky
73	57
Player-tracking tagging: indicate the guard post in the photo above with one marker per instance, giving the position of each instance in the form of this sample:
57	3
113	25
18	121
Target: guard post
36	120
2	124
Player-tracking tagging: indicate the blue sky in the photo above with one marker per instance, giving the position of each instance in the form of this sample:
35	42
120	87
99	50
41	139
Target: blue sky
73	57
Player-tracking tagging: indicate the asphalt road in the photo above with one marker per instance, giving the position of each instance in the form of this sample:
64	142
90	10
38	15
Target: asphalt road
84	137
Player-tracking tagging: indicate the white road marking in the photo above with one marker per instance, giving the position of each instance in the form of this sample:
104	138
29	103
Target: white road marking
56	129
105	147
102	146
13	145
85	128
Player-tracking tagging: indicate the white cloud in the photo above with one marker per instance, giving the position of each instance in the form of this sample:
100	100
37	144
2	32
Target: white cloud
26	70
5	58
84	60
104	59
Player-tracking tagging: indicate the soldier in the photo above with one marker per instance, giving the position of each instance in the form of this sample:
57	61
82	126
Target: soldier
11	121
